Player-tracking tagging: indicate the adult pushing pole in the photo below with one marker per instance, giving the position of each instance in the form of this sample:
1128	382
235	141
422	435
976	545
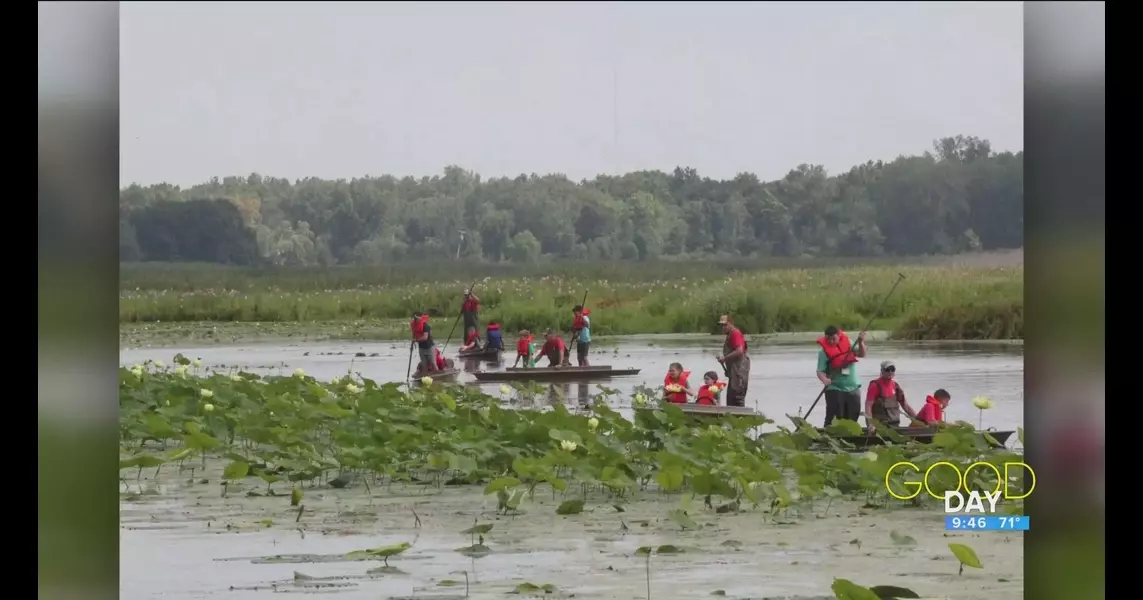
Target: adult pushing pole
861	337
454	323
573	340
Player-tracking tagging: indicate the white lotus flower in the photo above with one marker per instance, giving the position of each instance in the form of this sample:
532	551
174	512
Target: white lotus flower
426	380
352	389
592	423
299	373
568	446
505	390
197	363
205	393
208	407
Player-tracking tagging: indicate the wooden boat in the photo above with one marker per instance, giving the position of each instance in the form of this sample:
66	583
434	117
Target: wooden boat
923	435
568	373
707	410
445	376
482	354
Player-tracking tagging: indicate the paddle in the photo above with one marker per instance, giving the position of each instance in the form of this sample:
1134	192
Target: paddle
567	352
457	321
900	278
409	371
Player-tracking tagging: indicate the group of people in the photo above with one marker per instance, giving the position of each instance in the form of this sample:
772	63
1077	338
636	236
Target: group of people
554	347
884	398
735	365
836	367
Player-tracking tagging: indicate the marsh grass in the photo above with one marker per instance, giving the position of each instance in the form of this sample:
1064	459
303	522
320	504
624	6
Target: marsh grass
952	301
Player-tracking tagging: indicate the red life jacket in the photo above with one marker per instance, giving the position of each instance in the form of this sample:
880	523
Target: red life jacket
417	326
578	322
885	388
441	364
470	305
705	394
840	355
493	327
550	348
931	412
522	345
677	397
470	338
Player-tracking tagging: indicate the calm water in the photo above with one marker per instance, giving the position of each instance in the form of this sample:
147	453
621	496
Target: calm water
782	379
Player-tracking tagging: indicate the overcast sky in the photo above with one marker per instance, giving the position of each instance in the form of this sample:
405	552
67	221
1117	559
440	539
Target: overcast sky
352	89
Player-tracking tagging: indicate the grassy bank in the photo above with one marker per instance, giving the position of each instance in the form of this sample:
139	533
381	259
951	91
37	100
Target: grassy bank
934	302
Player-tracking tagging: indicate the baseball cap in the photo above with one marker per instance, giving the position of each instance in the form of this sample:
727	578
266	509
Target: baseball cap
724	319
885	364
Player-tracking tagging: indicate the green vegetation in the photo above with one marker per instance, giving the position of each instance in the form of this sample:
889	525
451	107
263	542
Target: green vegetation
959	197
287	434
934	302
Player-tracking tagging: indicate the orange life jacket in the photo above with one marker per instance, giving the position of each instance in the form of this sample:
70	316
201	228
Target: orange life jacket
417	326
677	397
706	394
441	364
578	322
522	345
840	355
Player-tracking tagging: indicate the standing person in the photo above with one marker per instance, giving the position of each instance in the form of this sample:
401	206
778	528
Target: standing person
735	361
581	334
469	310
837	371
423	335
885	399
933	411
525	350
555	349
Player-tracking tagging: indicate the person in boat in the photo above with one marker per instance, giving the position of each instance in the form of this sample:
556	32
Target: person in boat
469	310
493	339
884	400
711	387
933	411
423	336
734	362
442	363
471	341
837	370
555	349
525	350
581	334
676	388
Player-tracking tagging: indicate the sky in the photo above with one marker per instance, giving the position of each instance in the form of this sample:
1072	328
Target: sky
343	90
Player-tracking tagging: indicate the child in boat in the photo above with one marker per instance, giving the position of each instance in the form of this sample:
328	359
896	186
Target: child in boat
675	385
441	362
711	387
934	409
525	349
471	340
492	334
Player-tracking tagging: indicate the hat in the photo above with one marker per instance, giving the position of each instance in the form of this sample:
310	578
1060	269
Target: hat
724	319
885	364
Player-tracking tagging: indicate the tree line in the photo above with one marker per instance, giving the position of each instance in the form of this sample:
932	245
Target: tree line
960	196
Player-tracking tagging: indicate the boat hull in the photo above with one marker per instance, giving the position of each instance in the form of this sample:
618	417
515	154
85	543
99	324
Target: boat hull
554	374
446	376
486	355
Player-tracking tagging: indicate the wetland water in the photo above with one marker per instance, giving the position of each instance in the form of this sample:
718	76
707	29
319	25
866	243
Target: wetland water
781	375
181	539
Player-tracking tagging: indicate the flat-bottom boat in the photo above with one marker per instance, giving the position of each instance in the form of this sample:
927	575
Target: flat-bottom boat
567	373
445	376
922	435
707	410
486	354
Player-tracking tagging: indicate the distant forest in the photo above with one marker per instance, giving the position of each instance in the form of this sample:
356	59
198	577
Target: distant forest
959	197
